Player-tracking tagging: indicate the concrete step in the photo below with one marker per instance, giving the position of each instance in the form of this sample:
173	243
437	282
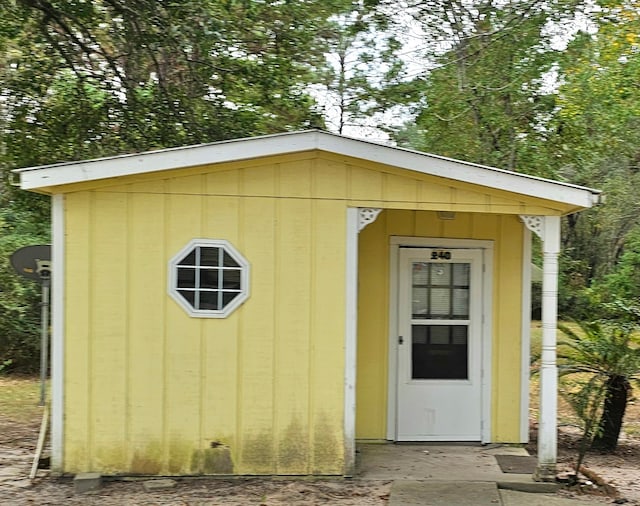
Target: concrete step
423	493
473	493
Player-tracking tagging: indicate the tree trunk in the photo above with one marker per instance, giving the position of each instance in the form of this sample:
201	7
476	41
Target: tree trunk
615	404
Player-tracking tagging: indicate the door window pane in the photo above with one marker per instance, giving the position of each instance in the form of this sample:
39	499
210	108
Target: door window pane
440	291
421	273
440	302
419	302
460	303
440	274
439	352
461	274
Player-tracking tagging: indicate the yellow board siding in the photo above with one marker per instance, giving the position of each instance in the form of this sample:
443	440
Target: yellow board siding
373	313
322	175
150	390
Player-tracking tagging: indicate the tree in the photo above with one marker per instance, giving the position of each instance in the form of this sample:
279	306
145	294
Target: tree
597	139
19	298
85	79
109	76
354	89
483	96
607	356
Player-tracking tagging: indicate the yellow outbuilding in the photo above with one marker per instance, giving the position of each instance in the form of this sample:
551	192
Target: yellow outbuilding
256	306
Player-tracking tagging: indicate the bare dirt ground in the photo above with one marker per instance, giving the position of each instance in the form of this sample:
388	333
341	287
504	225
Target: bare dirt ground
18	441
619	470
19	433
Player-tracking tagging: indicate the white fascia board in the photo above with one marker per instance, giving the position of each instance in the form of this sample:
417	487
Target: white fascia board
458	170
165	159
286	143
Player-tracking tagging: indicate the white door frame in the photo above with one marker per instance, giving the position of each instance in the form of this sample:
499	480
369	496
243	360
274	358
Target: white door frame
396	242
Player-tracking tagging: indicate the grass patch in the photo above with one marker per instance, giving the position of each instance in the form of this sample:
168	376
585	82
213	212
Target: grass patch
19	397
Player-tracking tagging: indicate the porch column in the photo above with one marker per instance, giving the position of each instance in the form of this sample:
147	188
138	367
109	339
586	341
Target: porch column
548	229
357	219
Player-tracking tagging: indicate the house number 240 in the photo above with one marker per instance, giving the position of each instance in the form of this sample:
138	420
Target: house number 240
441	255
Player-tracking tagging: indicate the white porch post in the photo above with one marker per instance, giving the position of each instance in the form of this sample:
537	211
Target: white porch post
357	219
547	428
548	228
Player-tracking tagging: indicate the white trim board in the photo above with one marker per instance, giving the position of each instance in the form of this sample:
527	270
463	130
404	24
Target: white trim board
47	176
351	341
396	242
57	338
525	336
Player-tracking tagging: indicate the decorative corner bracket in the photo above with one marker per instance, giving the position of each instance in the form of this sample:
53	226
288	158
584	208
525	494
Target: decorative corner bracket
367	215
534	223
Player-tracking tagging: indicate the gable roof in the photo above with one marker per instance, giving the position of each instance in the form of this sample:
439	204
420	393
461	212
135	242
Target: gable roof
45	177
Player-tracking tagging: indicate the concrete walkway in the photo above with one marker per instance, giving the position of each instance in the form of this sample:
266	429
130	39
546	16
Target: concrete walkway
430	493
453	475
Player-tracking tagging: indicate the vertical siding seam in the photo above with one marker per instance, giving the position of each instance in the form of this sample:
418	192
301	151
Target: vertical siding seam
313	166
127	334
277	238
90	291
384	187
242	230
203	336
165	358
312	336
472	227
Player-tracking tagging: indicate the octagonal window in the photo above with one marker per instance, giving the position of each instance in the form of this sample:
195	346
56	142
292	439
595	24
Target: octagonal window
209	278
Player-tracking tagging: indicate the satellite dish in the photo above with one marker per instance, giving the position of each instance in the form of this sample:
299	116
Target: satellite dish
33	262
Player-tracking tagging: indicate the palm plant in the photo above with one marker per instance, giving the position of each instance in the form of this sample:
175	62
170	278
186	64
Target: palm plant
607	353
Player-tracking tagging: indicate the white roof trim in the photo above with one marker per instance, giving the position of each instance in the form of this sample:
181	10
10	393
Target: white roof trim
279	144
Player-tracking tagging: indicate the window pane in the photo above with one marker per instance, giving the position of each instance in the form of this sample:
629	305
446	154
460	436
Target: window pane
439	335
190	259
210	257
440	302
208	278
189	296
439	361
227	297
186	277
228	261
459	334
420	273
461	303
441	274
461	274
419	334
419	303
209	300
231	279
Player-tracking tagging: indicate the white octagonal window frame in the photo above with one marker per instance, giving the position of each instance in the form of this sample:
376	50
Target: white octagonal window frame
191	282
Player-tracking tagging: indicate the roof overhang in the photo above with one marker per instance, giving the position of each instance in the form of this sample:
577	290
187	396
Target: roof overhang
45	178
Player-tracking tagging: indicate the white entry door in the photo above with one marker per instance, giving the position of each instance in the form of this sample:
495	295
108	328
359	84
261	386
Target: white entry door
439	382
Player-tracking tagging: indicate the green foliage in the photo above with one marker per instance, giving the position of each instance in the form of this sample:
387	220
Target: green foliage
97	78
600	358
19	297
484	98
586	397
603	348
623	282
